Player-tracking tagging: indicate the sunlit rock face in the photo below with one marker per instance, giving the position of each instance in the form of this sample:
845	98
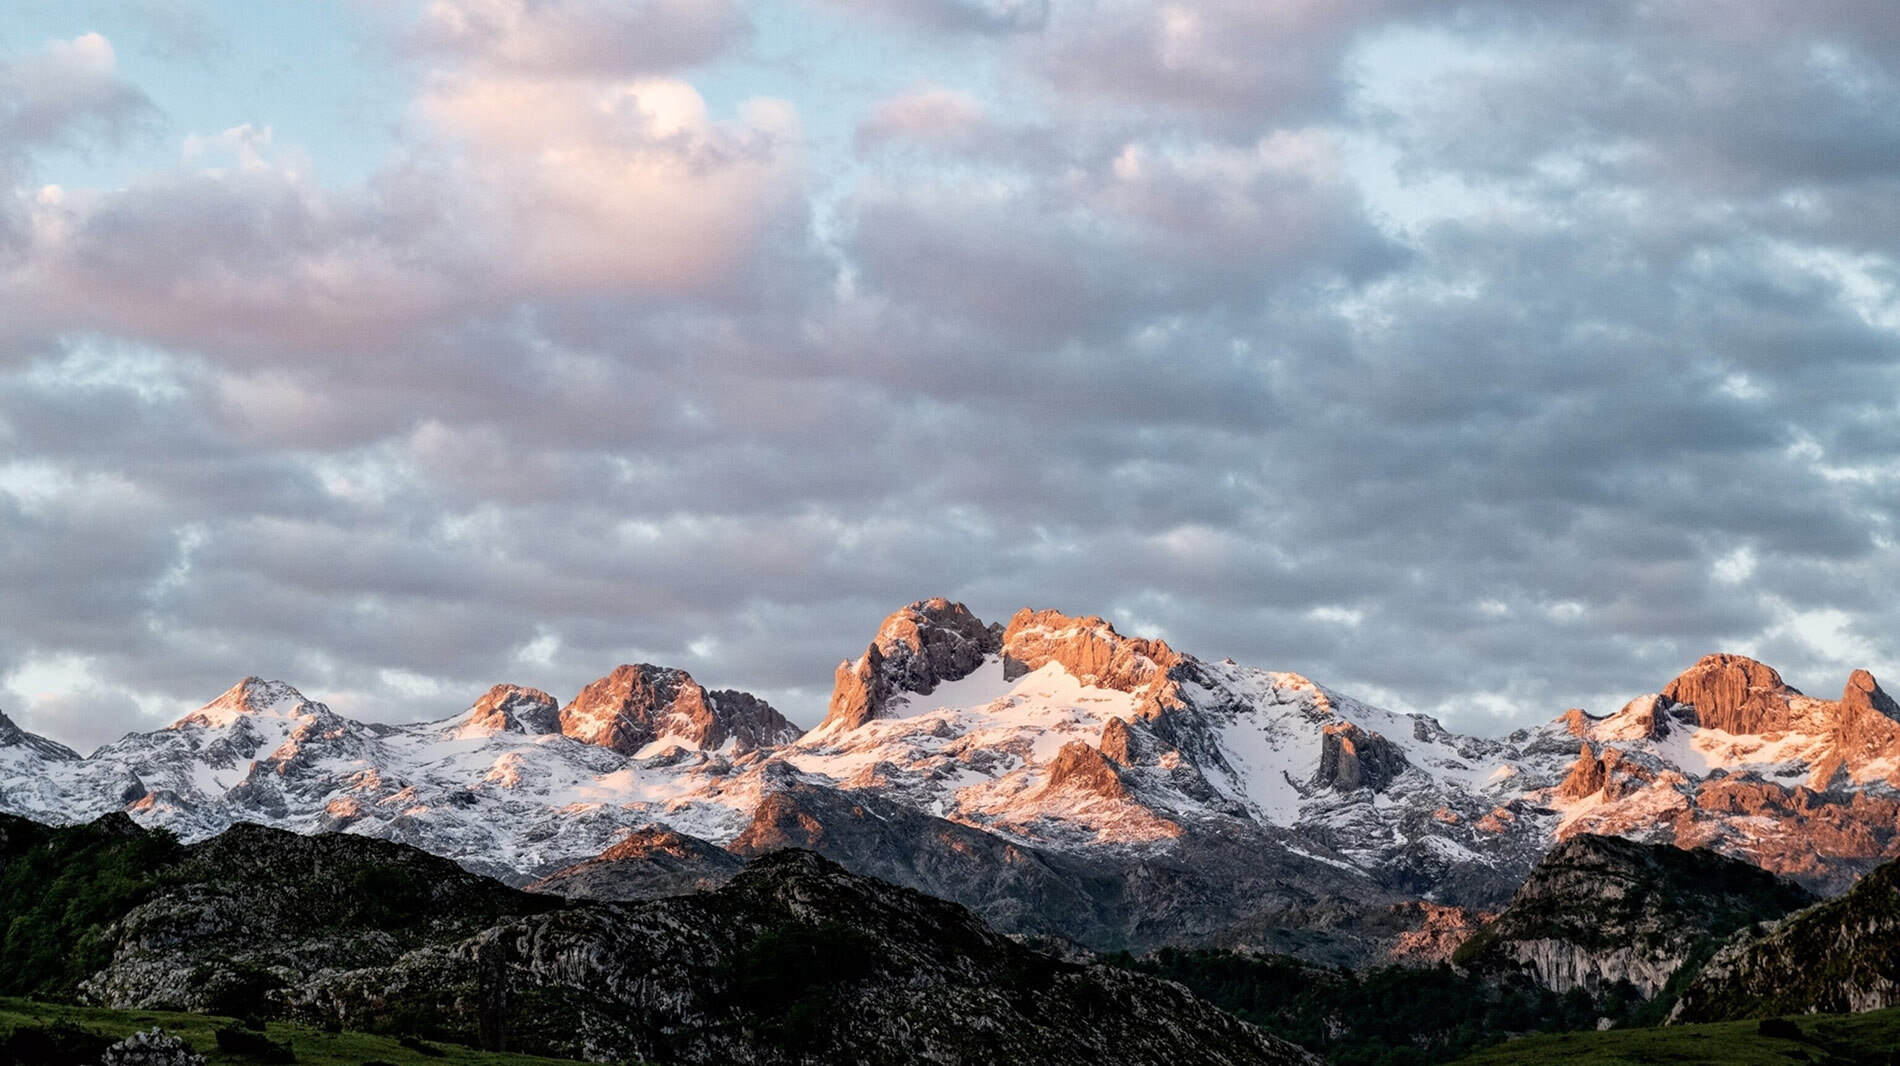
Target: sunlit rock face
514	709
1733	693
916	649
639	706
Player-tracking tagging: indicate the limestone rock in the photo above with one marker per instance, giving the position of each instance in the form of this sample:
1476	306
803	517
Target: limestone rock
1088	648
1083	769
515	709
1599	910
916	649
1586	777
1733	693
1837	957
151	1047
1351	757
639	704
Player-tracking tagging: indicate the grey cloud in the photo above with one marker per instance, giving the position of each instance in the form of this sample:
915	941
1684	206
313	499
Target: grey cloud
68	95
1483	465
579	37
990	17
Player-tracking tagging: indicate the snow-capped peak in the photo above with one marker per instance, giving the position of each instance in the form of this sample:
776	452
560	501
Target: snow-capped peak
253	695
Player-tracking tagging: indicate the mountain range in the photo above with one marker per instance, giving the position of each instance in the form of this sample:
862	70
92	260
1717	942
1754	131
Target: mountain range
1059	777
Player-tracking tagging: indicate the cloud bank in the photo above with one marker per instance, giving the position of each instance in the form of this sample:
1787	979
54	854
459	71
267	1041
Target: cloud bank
1479	359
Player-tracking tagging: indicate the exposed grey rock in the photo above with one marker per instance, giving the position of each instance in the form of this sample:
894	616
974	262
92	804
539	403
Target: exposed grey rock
1840	956
1601	910
916	649
152	1047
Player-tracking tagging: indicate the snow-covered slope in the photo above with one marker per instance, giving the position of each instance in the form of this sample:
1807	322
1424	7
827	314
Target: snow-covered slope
1054	733
491	787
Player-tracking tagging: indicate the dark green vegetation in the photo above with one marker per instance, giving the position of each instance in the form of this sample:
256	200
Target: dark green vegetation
1388	1016
793	961
1839	956
46	1034
60	887
1870	1039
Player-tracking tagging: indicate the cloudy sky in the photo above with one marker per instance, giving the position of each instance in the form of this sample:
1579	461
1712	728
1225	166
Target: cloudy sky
1479	358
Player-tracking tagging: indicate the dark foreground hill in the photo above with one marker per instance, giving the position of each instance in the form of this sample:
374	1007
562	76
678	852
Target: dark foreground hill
792	961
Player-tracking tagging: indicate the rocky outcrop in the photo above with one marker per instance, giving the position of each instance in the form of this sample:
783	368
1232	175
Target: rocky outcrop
1825	840
1092	652
639	704
1611	773
916	649
1865	727
1084	770
514	709
1436	931
1733	693
649	864
1837	957
1597	911
1586	777
1351	757
1121	744
151	1047
1864	695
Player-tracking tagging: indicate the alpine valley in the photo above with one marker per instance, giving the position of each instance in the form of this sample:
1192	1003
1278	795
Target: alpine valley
1059	778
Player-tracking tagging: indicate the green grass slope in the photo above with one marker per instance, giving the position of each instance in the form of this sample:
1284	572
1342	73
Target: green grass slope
1871	1039
312	1047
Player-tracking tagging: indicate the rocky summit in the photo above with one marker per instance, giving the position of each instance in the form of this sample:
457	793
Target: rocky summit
1056	775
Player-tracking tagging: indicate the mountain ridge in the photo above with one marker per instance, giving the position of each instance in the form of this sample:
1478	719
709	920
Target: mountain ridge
1130	774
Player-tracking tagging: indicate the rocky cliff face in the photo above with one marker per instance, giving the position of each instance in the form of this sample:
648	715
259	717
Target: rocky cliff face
1601	910
1836	957
916	649
1734	694
1352	758
641	707
514	709
793	961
